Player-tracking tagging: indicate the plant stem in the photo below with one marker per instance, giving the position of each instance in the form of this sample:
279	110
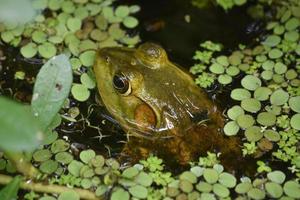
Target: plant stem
52	189
22	165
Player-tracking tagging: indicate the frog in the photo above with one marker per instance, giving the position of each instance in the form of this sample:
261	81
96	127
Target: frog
160	108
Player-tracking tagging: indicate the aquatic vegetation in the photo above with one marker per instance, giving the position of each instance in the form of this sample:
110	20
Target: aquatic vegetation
266	102
75	28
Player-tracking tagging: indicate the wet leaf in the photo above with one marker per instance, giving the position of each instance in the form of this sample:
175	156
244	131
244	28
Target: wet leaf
23	128
51	88
120	193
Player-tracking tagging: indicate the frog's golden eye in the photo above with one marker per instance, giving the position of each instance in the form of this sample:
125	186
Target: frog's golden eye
121	84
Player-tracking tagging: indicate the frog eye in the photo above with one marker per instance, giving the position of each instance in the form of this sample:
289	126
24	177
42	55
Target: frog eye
121	84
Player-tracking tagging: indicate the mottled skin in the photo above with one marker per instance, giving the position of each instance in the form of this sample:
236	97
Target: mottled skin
163	111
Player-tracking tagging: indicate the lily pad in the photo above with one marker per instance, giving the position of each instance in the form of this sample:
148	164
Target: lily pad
294	103
272	135
251	105
227	180
234	112
256	194
276	176
272	41
47	50
279	97
217	68
220	190
239	94
274	189
251	82
245	121
266	119
29	50
204	187
231	128
74	24
80	92
210	175
130	22
275	53
262	93
292	189
243	188
49	166
295	121
42	155
253	134
130	172
280	68
87	58
138	191
224	79
87	155
188	176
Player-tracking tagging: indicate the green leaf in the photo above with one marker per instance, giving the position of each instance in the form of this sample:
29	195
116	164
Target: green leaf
69	195
51	88
24	132
138	191
10	191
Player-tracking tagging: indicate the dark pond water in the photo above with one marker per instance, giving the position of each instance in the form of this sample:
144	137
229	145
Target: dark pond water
162	22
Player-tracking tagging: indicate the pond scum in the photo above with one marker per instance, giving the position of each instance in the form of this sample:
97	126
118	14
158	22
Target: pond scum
266	110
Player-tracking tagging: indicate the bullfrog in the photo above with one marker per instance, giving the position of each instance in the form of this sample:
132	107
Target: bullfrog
160	107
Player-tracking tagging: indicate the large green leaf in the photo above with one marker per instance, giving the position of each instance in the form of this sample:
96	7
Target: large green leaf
10	191
19	129
51	88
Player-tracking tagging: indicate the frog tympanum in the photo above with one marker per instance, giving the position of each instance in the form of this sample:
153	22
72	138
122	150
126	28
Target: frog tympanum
159	106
